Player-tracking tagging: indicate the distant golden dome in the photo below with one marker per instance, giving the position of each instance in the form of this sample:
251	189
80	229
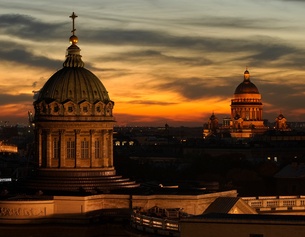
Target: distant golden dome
246	87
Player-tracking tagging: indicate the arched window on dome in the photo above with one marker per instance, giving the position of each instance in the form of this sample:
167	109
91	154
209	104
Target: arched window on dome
108	109
85	108
99	108
54	108
69	108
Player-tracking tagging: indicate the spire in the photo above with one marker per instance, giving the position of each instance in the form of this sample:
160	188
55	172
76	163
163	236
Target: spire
246	75
73	57
73	16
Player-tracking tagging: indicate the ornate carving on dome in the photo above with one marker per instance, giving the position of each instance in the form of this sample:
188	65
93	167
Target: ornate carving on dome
99	108
85	108
73	58
109	108
70	108
55	108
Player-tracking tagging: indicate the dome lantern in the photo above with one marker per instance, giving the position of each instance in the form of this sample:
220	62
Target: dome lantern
246	75
246	87
73	57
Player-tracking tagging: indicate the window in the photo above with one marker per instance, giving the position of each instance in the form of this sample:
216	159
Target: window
84	149
55	148
98	108
97	149
56	108
85	109
70	109
70	149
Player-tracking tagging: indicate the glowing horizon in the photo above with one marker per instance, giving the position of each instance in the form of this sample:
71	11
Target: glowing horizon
173	62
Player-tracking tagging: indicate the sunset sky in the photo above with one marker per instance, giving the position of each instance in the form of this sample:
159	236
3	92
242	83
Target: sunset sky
162	61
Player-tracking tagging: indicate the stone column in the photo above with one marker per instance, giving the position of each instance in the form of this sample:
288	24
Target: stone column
105	148
91	147
261	114
48	148
110	148
77	148
39	147
62	148
250	114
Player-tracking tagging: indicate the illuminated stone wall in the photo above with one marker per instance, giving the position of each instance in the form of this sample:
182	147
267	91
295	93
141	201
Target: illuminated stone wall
80	209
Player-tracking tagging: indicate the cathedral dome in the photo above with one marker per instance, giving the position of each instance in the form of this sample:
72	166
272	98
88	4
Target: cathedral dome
73	82
73	92
246	87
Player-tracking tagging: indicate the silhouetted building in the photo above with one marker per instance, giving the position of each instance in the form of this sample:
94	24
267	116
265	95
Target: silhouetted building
281	123
212	126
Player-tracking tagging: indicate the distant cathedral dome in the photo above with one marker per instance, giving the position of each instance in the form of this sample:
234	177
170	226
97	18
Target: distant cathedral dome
246	87
246	109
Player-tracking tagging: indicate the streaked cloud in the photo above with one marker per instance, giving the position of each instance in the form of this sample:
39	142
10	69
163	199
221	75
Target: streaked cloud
17	53
13	99
27	27
161	61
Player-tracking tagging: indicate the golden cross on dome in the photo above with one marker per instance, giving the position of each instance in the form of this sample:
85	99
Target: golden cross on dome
73	16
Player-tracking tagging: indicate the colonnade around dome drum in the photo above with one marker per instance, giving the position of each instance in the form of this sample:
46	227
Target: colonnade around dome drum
248	114
75	147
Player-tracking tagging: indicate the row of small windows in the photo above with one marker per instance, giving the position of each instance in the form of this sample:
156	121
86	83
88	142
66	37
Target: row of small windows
246	109
70	149
246	100
124	143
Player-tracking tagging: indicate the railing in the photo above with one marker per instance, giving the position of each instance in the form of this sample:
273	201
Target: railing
155	225
276	203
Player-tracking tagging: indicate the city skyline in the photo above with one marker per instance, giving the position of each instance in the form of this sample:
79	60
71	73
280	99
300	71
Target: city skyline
174	61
